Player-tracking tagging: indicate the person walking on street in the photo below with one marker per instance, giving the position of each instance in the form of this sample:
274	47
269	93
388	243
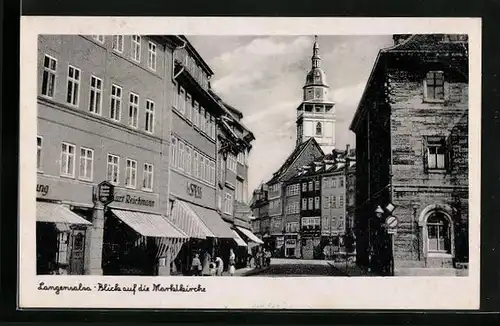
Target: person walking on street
206	264
268	257
196	266
219	265
232	262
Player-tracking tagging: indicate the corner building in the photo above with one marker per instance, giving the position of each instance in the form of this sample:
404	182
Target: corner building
102	115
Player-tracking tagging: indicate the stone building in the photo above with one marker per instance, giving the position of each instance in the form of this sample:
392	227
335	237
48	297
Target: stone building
103	115
411	130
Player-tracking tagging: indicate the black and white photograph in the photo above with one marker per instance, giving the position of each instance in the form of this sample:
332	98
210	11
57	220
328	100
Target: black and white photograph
195	162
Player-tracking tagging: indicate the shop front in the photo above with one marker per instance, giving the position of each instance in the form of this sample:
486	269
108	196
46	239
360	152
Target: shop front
137	239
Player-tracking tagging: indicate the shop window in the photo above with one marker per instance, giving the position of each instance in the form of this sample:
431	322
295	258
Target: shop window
438	233
62	254
49	76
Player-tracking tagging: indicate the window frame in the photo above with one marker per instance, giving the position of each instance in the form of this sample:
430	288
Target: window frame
150	174
436	142
113	164
74	82
427	98
72	173
93	108
116	42
136	49
87	150
132	105
99	38
128	172
113	100
149	118
152	55
50	72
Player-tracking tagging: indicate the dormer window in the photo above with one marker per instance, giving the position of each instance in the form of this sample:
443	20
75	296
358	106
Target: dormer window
434	86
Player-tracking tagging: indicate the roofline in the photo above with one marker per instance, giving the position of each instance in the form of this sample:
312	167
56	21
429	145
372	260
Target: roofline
359	110
193	50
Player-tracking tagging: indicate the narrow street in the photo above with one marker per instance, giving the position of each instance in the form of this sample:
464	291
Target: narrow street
295	268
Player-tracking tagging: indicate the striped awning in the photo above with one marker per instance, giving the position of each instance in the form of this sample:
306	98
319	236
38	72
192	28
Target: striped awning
149	225
59	214
188	221
239	241
250	235
213	221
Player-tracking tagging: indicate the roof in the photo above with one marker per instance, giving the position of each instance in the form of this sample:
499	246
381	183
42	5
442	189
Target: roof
414	44
292	157
195	53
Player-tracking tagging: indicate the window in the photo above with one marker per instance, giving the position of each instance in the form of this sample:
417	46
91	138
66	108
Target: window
49	76
150	116
95	101
341	179
207	170
116	103
98	38
436	153
196	114
304	187
152	56
113	168
208	128
438	233
182	101
174	153
326	202
67	160
212	125
133	110
73	92
310	203
202	167
118	43
147	177
334	182
316	185
310	186
86	163
341	201
212	173
187	160
196	170
231	163
228	203
175	97
333	201
136	48
316	203
131	173
434	85
202	119
189	107
39	143
319	129
304	204
180	161
219	202
239	190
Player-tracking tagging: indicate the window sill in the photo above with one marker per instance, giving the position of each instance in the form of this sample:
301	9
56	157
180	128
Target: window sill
67	176
85	180
147	190
39	171
438	255
131	187
432	101
437	171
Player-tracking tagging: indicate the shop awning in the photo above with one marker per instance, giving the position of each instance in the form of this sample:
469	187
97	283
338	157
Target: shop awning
250	235
213	221
239	241
149	225
188	221
57	213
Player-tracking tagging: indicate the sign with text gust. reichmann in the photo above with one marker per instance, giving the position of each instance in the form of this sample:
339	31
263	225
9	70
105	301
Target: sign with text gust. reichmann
105	192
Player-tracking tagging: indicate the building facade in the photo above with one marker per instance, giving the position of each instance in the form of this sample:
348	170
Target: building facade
412	148
316	113
102	117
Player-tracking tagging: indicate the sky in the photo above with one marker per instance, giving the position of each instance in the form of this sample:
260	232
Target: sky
263	76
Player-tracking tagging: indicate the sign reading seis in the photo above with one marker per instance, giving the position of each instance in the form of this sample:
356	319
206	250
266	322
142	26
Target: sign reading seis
194	190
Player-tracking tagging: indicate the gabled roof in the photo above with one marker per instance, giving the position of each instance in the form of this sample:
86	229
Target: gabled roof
414	44
292	157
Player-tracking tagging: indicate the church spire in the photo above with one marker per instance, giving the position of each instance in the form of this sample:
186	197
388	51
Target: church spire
316	58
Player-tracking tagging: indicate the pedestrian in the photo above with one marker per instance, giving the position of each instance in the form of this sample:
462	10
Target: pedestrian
268	257
232	262
213	269
258	258
206	264
196	266
219	266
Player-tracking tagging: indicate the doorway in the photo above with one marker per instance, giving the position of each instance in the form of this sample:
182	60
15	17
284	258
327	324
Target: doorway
77	252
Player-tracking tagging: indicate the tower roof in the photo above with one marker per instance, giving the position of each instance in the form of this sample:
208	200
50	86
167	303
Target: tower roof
316	76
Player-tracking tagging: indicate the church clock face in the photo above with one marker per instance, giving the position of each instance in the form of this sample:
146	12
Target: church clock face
318	93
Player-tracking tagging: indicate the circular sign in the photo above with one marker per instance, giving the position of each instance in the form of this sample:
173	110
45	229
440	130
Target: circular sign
391	222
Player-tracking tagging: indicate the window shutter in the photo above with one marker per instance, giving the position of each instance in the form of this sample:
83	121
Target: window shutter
425	154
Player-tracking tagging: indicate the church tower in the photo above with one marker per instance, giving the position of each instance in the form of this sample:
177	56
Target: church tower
316	113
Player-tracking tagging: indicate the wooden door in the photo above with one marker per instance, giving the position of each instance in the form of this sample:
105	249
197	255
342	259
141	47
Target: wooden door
77	252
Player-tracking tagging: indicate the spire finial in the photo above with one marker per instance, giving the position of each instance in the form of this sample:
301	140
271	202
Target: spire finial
315	58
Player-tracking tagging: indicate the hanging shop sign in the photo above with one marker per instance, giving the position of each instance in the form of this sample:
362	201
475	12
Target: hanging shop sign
194	190
105	192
